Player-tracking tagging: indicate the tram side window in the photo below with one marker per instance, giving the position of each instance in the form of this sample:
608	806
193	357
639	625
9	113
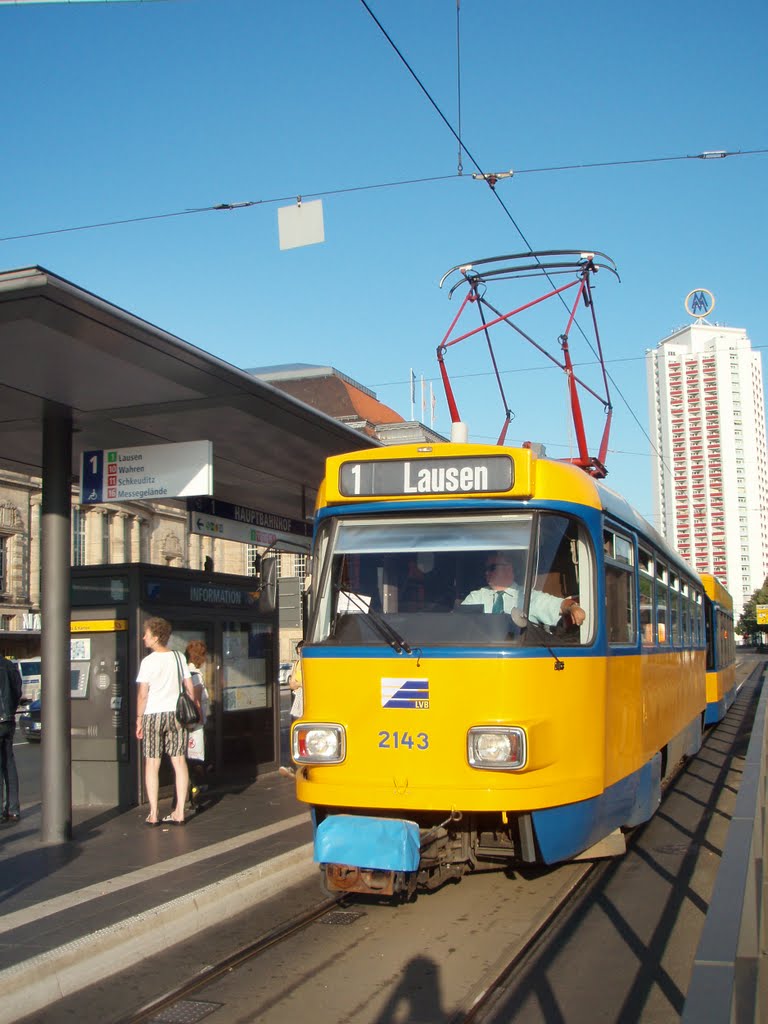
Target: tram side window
620	611
674	608
711	614
646	598
697	614
685	630
728	649
662	603
563	567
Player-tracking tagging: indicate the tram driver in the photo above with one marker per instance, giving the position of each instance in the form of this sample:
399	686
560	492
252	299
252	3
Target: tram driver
502	594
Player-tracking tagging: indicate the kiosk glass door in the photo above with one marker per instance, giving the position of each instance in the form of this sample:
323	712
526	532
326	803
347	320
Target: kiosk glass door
180	637
247	690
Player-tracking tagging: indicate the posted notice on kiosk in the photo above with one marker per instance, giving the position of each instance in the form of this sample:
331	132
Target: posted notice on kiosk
154	471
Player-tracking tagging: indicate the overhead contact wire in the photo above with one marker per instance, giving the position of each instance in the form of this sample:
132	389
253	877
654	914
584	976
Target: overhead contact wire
445	121
355	188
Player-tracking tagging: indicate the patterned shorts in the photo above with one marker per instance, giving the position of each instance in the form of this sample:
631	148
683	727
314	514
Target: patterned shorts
163	734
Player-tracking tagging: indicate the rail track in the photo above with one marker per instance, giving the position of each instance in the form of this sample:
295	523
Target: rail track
455	955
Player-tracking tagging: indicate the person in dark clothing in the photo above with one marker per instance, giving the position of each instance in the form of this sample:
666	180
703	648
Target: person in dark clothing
10	695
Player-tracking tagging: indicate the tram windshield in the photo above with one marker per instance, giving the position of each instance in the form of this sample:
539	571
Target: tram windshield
452	580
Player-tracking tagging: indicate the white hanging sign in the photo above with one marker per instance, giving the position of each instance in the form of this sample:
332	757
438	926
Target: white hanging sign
155	472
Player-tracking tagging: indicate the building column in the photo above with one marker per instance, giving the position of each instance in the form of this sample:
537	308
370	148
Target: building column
137	540
34	551
208	551
120	550
93	535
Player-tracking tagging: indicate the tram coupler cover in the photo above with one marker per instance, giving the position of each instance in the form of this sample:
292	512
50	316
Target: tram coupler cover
384	844
367	881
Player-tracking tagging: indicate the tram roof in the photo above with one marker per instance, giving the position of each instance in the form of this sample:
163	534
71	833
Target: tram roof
130	384
618	507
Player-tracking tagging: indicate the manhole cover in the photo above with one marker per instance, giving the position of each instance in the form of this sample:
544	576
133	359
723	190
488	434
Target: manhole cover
339	917
186	1011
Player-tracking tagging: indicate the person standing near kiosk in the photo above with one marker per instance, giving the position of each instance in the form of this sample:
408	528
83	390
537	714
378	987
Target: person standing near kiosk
159	686
10	695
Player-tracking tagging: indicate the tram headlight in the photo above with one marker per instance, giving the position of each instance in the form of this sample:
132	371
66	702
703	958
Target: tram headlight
501	747
318	743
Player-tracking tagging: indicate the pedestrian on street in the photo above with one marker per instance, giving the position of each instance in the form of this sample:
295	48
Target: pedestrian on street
10	695
161	676
196	654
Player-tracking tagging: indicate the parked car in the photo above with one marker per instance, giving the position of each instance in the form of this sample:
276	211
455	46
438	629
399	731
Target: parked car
29	722
283	673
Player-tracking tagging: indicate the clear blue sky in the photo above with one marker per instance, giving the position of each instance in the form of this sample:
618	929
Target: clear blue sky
123	110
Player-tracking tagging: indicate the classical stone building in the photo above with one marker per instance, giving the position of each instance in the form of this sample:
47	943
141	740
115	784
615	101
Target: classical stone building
148	532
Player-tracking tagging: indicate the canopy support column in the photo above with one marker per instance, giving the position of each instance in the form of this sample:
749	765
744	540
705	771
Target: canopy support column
55	605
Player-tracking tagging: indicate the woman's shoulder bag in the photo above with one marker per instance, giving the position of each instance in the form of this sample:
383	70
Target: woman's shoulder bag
187	714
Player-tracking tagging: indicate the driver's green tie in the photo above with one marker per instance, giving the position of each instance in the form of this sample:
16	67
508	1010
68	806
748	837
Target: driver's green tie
498	603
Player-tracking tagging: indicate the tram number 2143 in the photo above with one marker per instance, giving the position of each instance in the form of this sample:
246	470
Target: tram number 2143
394	740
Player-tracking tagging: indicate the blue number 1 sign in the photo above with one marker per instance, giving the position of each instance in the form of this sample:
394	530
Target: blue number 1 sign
92	477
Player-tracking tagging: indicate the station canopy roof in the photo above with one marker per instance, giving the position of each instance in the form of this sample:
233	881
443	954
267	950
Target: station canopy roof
129	384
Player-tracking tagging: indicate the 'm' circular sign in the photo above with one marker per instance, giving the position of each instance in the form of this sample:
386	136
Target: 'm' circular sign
699	303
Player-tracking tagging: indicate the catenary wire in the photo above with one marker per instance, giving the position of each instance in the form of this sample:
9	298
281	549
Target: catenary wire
492	180
459	165
349	189
447	123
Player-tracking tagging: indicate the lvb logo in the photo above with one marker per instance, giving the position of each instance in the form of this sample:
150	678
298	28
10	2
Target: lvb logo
699	303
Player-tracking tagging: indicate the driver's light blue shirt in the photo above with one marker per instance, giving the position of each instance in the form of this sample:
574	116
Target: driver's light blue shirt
544	608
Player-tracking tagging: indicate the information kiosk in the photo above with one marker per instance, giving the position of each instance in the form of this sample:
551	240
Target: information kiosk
237	620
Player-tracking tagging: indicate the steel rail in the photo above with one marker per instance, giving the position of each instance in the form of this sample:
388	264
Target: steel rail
234	960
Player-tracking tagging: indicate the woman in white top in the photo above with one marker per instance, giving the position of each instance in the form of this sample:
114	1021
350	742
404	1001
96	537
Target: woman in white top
156	723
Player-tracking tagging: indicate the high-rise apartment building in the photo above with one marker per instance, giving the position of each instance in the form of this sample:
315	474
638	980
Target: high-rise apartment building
710	481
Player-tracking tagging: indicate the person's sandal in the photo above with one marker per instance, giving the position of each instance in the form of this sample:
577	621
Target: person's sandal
170	820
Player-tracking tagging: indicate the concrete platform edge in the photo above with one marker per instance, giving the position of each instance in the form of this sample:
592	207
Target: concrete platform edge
42	980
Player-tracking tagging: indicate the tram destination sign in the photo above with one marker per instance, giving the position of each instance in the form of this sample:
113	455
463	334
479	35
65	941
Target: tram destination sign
489	474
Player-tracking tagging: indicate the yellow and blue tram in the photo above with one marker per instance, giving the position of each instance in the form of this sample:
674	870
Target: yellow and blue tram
440	732
721	649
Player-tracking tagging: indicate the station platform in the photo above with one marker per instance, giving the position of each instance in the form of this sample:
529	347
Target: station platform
120	891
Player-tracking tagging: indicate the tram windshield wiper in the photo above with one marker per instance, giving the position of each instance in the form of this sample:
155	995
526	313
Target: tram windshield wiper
538	634
377	622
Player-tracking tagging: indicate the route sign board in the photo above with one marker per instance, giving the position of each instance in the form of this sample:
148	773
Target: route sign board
213	518
761	614
152	472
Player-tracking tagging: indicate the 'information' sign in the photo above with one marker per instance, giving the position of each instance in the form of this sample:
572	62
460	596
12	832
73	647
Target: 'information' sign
155	472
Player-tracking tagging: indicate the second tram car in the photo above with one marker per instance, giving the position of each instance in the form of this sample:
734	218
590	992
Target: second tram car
721	649
444	726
